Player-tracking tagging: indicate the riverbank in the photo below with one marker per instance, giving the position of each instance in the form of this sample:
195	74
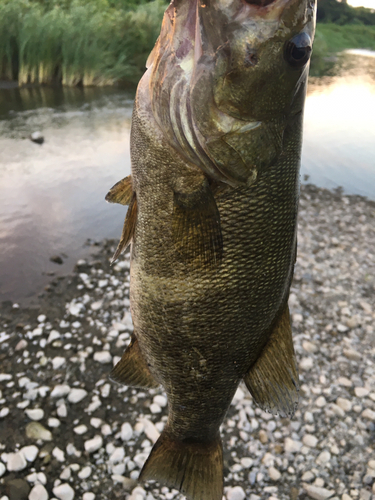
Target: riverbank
55	359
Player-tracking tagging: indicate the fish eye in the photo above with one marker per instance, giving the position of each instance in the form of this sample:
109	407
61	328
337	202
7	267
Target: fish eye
298	50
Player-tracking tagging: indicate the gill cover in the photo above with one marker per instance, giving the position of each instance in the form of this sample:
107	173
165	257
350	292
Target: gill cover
220	86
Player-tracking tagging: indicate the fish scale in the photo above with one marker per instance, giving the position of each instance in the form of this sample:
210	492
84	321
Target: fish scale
213	198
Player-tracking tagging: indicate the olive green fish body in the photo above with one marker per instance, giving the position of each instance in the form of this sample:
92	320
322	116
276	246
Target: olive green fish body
201	329
215	145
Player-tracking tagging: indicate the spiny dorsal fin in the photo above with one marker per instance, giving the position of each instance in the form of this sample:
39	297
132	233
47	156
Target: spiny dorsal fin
196	227
121	192
195	469
132	368
273	379
128	229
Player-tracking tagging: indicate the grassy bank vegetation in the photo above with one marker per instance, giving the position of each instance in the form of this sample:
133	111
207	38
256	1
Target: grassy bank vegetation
333	38
77	42
103	42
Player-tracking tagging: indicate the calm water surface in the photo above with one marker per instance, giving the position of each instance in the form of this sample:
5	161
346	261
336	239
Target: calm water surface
52	196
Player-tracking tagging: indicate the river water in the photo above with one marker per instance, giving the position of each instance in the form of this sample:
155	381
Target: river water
52	196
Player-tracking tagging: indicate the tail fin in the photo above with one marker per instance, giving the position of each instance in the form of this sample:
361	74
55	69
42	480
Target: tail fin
195	469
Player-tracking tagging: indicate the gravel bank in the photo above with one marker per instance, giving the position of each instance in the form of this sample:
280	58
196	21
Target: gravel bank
67	432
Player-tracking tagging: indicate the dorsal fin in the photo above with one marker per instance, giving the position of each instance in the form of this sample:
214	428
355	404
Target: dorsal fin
273	379
128	230
121	192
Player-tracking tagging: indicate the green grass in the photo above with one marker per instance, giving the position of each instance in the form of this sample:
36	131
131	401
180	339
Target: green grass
333	38
105	42
87	43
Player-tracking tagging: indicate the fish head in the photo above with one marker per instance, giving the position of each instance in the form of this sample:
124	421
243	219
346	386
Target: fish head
227	77
261	55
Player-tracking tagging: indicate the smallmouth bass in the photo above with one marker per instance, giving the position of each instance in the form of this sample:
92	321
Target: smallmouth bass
213	197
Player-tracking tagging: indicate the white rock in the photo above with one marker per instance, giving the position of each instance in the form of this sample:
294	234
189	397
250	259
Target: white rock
103	357
150	430
16	462
307	476
94	444
117	456
95	306
292	446
274	474
60	391
53	422
76	395
309	440
76	309
118	469
247	462
5	376
344	381
88	496
139	491
54	335
106	430
42	478
80	429
344	404
306	364
62	411
160	400
4	412
154	408
84	473
2	469
368	414
38	492
63	492
140	459
126	432
58	454
361	392
66	474
317	493
58	362
105	390
30	452
96	422
321	401
309	346
236	493
36	414
323	458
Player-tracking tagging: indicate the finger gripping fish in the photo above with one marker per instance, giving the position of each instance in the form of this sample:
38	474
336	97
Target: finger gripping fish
215	146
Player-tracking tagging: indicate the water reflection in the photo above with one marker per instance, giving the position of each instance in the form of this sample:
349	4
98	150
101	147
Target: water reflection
53	195
339	128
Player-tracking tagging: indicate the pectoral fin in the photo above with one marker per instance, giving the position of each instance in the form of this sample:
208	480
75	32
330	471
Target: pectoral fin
132	368
273	379
196	226
128	230
121	192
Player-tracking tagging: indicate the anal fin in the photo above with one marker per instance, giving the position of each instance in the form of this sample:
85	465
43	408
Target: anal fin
273	379
196	226
194	468
132	368
128	230
121	192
